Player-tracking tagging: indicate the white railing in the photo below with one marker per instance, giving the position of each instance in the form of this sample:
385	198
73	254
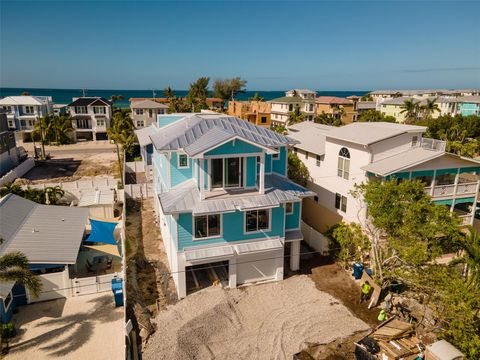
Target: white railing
17	172
134	167
433	144
449	190
466	219
93	284
139	191
315	239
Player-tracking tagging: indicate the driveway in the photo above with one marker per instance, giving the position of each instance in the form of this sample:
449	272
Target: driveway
83	327
268	321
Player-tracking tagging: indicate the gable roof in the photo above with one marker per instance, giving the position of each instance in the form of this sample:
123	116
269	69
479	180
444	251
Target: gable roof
86	101
367	133
147	104
332	100
21	100
143	135
288	100
188	133
46	234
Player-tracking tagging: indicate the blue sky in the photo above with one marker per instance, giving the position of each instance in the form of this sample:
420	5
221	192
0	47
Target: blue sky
325	45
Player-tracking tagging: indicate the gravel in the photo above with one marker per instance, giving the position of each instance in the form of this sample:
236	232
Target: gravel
268	321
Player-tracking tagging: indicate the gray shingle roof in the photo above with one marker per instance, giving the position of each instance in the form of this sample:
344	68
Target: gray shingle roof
188	133
186	198
46	234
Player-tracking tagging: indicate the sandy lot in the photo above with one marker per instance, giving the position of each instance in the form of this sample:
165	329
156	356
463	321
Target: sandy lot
83	327
269	321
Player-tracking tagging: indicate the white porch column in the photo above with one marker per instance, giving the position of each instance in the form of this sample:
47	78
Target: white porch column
180	277
261	184
232	273
455	189
432	185
295	255
202	179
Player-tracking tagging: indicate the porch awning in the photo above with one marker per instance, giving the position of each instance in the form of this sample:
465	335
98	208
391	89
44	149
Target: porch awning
107	249
102	232
208	253
293	235
258	246
465	200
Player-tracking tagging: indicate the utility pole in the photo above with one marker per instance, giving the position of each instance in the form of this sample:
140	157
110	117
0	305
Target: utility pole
154	93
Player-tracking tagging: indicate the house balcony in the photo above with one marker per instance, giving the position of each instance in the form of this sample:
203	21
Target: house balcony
432	144
452	190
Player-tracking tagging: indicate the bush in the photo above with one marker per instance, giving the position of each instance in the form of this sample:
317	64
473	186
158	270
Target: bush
7	331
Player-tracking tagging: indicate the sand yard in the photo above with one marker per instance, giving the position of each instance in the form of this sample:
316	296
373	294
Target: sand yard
269	321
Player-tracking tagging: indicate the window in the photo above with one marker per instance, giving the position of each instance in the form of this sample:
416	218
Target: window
311	107
140	123
263	119
207	226
160	111
290	107
138	111
289	208
414	141
182	161
7	301
318	160
226	173
306	155
99	110
340	202
11	123
343	169
315	198
101	122
257	220
29	109
150	113
277	155
295	150
80	110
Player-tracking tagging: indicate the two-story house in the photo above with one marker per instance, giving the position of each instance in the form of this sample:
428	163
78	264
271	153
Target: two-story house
468	105
144	112
24	111
303	99
255	112
340	157
339	108
91	117
223	198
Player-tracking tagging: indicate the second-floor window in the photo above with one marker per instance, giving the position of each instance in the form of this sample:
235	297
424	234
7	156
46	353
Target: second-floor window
289	208
263	119
99	109
80	110
100	122
319	159
140	123
341	202
139	111
226	173
207	226
182	161
29	109
343	169
150	113
257	220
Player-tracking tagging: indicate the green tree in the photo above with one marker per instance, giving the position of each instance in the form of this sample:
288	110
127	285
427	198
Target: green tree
122	133
327	119
429	108
374	116
227	89
411	110
53	129
256	97
295	116
281	129
197	94
297	171
11	189
53	194
366	97
470	246
350	238
168	93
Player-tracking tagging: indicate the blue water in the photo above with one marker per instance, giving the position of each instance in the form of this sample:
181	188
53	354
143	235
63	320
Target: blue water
64	96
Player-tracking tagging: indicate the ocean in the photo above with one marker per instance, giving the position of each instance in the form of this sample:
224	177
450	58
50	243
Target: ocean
64	96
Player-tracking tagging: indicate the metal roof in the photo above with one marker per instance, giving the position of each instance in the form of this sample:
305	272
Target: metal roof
211	138
147	104
5	288
46	234
443	350
189	130
90	197
292	235
22	100
366	133
186	198
258	246
208	253
310	136
143	135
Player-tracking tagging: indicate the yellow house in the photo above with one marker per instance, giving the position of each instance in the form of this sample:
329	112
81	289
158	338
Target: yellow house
255	112
338	107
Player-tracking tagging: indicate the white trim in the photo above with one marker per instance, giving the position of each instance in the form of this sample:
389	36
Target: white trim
291	212
233	138
223	187
232	155
194	238
245	232
178	161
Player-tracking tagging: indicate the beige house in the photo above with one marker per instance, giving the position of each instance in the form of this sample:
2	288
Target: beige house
338	107
303	99
144	112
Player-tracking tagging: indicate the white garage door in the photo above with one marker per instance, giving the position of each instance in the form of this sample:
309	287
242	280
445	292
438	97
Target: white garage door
259	266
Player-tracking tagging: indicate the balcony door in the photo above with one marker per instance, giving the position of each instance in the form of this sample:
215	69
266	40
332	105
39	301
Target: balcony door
226	173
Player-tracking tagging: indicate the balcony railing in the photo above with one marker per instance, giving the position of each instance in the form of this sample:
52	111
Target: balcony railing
449	190
466	219
432	144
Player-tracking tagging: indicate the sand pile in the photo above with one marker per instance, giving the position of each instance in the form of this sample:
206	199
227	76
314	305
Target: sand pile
269	321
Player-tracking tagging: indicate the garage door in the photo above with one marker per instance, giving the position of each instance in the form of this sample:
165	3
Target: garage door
259	266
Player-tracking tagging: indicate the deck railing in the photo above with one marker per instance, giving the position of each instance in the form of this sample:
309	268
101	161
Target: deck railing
433	144
449	190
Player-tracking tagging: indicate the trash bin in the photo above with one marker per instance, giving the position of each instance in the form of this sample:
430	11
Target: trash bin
357	270
117	289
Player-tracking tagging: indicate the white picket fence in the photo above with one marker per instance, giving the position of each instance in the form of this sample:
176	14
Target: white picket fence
17	172
139	191
315	239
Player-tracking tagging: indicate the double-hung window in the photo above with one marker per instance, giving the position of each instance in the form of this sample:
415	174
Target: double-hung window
29	109
140	123
343	169
340	202
257	220
182	161
207	226
99	110
139	111
100	122
80	110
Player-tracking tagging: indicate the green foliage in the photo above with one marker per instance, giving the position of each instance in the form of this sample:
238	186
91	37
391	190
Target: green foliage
168	92
349	242
227	88
121	131
256	97
49	195
470	258
366	97
281	129
295	116
375	116
417	229
411	109
328	119
297	171
115	98
7	331
11	189
197	94
55	129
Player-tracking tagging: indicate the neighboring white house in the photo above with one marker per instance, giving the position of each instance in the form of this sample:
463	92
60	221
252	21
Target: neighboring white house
340	157
144	112
304	99
24	111
91	117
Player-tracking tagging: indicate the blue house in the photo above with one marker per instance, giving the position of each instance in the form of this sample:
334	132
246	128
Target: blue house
469	105
223	199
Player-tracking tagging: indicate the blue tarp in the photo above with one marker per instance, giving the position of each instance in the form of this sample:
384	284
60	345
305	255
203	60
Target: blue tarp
102	232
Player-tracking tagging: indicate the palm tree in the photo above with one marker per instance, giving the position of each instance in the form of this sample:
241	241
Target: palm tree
338	111
430	108
295	116
35	195
197	94
471	258
121	132
327	119
168	93
11	189
281	129
53	194
256	97
410	109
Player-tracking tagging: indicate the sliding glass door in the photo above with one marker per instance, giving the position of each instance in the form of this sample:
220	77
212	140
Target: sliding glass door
232	172
226	173
216	173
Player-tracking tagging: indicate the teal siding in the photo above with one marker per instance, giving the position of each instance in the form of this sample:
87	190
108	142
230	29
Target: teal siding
444	202
268	163
474	169
160	172
421	173
465	200
446	171
167	120
467	109
233	148
293	221
279	165
177	176
232	227
251	177
401	175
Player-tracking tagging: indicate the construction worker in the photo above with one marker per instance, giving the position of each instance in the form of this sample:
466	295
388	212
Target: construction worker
382	316
365	291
